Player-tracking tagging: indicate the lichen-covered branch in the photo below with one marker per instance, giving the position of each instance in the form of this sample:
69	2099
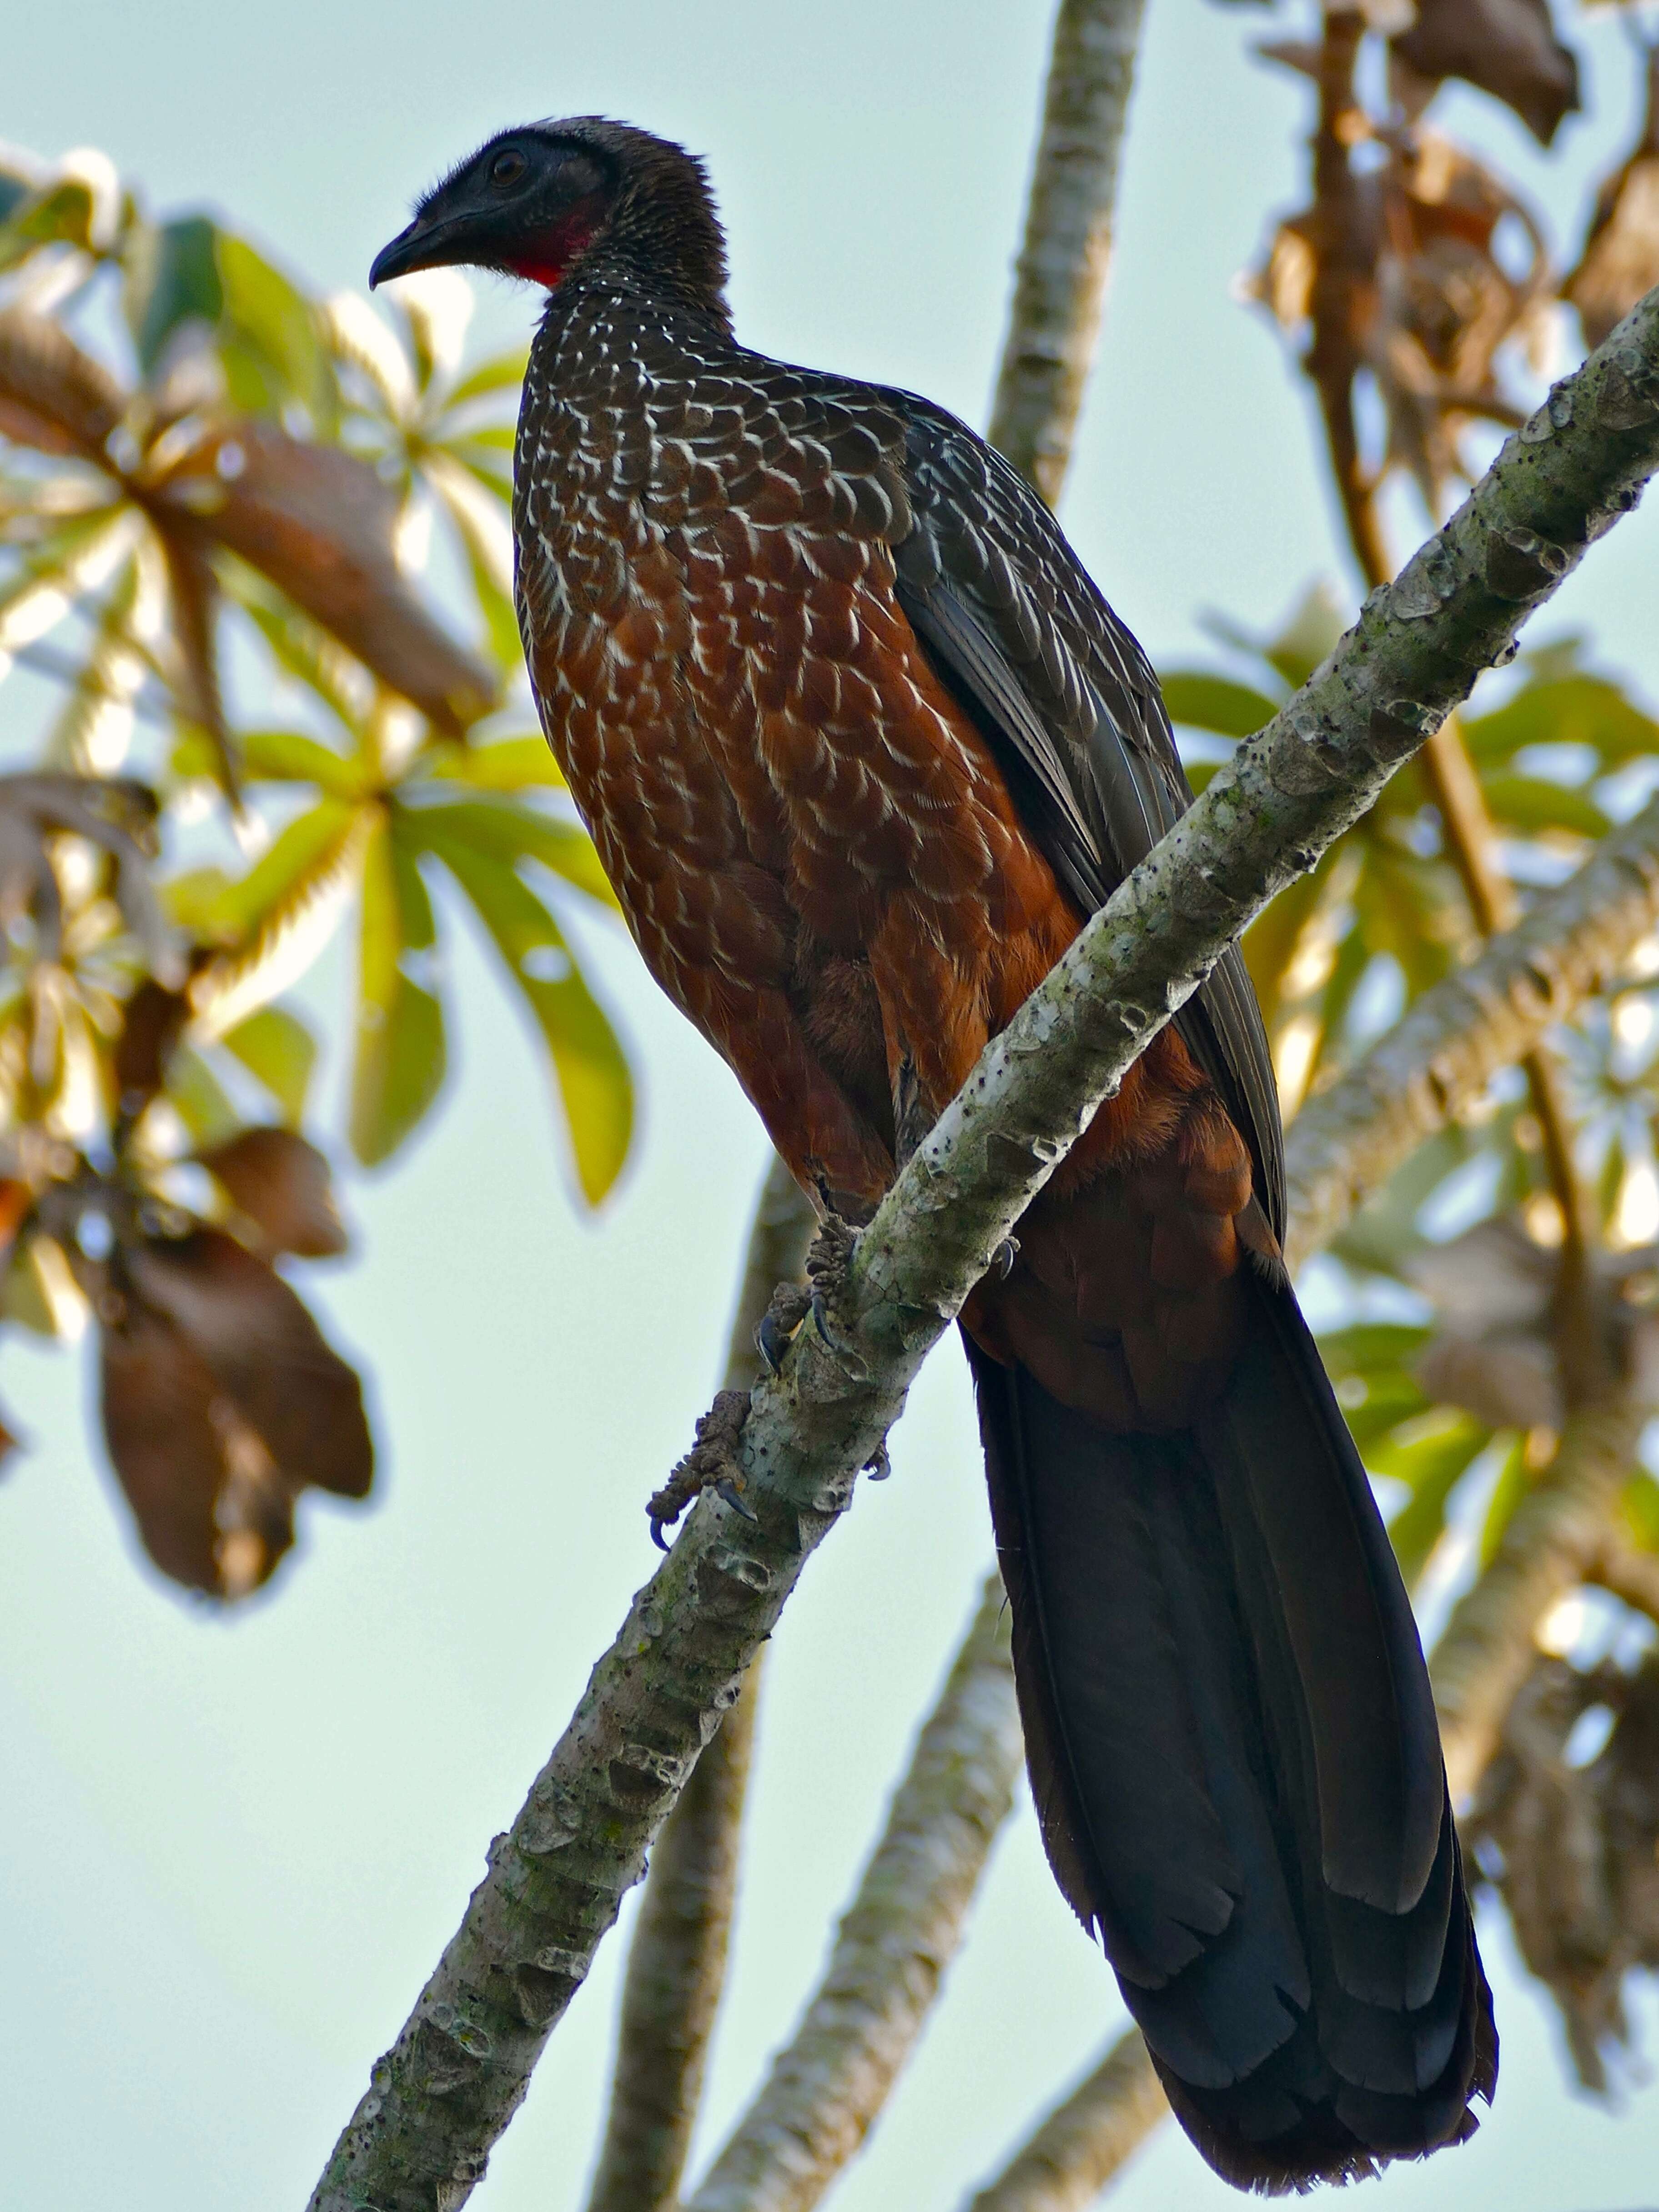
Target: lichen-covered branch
1554	1533
420	2138
1060	278
827	2085
1347	1141
676	1962
1081	2144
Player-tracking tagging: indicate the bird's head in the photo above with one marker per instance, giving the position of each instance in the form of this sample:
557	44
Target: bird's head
544	200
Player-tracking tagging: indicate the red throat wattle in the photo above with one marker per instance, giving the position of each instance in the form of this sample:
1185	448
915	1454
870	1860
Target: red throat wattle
546	259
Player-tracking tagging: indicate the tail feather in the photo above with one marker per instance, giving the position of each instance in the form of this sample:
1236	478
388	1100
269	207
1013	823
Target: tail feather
1235	1762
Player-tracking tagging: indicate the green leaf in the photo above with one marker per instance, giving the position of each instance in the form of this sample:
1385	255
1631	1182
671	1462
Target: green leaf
1571	710
505	373
198	1098
1202	702
501	831
1370	1348
278	1051
1431	1465
511	764
400	1059
270	343
1535	804
1512	1483
587	1062
173	278
300	854
1641	1511
1313	627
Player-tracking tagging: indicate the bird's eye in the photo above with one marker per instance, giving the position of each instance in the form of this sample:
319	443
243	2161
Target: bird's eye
507	167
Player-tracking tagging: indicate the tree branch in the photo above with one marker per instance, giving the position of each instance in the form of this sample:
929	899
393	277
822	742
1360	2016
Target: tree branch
1554	1533
829	2082
1060	278
1081	2144
1347	1142
419	2139
676	1962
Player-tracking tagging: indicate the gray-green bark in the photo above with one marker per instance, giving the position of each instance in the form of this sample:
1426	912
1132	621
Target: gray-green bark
1553	1535
420	2138
676	1962
1060	278
1077	2149
1347	1142
903	1927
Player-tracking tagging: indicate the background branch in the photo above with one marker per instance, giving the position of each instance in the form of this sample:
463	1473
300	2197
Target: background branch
1555	1532
830	2081
1060	278
459	2067
1081	2144
676	1962
1346	1141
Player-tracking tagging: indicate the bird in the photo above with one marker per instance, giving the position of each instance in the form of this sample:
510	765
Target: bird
861	746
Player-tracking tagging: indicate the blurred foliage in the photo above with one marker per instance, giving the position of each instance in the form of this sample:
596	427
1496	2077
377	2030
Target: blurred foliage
206	472
1424	298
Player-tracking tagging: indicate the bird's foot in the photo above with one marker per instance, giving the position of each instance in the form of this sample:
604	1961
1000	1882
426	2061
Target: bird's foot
828	1264
711	1464
791	1304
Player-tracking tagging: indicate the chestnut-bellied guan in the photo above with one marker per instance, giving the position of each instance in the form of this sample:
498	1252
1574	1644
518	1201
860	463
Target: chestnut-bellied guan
861	746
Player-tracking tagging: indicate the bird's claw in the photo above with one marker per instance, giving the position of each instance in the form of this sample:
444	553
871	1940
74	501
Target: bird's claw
710	1464
778	1324
878	1466
1003	1259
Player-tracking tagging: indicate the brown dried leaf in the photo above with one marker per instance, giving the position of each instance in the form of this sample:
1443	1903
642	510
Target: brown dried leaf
158	1400
194	590
1621	259
321	526
281	1185
1574	1848
152	1023
221	1402
1505	47
53	396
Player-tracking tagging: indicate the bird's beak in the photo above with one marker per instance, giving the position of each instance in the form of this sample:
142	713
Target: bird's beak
424	244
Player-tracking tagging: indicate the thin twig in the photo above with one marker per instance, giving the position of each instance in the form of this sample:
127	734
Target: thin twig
440	2098
1077	2149
1439	1057
1059	279
1555	1531
827	2085
676	1962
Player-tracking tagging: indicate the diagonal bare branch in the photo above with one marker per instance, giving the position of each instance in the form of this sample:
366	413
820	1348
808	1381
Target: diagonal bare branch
1347	1141
439	2098
1075	2151
830	2081
677	1963
1059	279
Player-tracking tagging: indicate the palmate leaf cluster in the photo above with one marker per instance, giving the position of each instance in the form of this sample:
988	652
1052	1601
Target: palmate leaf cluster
214	484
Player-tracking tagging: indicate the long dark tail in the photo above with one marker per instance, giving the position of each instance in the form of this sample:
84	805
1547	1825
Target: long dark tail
1236	1763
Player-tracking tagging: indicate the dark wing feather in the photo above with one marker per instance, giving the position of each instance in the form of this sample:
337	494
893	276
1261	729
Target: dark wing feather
1016	627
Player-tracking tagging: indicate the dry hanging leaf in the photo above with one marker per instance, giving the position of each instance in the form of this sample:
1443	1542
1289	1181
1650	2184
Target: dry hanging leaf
1574	1848
1506	47
221	1402
281	1185
321	526
1621	260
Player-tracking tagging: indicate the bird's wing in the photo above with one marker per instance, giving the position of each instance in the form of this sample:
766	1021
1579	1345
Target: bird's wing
1017	628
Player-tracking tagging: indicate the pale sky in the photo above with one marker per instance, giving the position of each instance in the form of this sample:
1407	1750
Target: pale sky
232	1848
